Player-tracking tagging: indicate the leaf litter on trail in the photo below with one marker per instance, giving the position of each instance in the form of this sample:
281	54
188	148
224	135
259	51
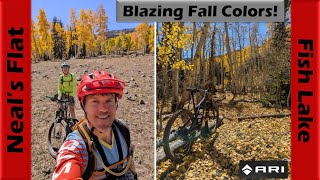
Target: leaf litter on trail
218	158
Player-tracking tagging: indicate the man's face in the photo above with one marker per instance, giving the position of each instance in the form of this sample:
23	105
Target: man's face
101	110
65	70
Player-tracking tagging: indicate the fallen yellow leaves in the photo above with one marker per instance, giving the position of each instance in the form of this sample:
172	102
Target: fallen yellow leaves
218	158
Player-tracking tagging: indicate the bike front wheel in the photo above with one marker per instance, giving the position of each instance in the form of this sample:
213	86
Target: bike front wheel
179	135
58	132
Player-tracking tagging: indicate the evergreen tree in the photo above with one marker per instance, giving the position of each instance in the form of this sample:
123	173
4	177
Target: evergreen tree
59	39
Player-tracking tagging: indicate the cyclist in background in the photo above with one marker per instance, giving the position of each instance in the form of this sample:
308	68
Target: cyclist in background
67	87
100	147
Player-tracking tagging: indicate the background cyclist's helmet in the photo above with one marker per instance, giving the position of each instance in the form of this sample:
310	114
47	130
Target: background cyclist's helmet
65	64
99	82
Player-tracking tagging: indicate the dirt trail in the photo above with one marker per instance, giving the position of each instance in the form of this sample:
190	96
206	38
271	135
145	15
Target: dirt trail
137	72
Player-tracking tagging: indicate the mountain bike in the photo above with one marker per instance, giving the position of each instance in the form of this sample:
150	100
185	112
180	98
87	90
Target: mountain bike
185	125
61	125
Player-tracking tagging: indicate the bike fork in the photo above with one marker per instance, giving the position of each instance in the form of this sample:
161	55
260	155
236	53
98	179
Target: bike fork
58	134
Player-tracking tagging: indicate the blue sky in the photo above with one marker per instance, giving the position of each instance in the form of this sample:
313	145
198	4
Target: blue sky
61	9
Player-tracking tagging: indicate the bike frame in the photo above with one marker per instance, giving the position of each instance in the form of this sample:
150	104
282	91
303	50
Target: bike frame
63	114
196	107
64	107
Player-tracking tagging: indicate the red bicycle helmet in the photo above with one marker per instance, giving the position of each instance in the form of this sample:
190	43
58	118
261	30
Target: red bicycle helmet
99	82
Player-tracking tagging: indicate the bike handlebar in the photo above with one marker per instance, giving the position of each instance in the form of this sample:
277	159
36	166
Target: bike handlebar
52	98
200	90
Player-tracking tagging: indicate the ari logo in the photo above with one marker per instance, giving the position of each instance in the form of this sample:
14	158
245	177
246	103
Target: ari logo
247	169
263	169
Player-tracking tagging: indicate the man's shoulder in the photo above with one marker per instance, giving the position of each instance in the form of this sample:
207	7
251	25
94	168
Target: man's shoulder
75	137
121	121
122	124
73	144
123	127
70	74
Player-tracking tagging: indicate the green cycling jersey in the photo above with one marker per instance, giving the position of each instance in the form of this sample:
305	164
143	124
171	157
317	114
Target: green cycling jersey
67	84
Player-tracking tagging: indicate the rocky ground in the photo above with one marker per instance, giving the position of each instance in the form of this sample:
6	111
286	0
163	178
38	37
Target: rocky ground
136	107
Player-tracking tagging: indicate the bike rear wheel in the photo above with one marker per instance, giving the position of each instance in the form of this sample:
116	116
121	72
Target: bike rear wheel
180	130
58	132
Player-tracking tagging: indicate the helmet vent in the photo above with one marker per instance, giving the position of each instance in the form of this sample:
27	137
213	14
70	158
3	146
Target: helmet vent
91	75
